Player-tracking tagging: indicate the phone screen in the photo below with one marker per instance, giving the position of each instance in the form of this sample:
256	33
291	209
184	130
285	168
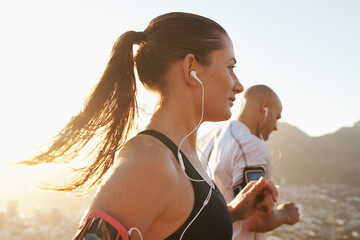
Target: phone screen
250	174
253	176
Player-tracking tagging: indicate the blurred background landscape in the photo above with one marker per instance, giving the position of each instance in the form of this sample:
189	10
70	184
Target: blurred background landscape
321	175
300	159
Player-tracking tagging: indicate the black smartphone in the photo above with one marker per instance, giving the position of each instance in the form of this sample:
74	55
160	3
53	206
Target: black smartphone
249	174
253	174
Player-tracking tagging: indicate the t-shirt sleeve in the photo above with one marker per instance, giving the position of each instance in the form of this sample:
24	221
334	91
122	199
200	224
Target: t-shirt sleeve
256	155
238	168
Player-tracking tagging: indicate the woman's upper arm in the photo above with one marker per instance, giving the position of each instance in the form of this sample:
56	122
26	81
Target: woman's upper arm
139	189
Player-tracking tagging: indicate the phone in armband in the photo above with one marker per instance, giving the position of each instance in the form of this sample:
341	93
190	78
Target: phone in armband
249	174
100	225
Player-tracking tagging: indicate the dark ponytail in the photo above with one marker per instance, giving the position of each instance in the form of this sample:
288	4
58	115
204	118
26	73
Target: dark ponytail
109	116
111	111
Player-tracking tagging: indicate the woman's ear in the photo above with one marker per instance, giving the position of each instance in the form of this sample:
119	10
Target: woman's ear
189	64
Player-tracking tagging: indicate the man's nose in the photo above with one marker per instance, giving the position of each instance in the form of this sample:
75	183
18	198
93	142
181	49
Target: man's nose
276	127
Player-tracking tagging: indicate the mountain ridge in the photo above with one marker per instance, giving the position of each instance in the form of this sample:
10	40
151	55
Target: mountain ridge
301	159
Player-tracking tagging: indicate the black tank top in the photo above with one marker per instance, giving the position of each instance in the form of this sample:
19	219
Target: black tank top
214	221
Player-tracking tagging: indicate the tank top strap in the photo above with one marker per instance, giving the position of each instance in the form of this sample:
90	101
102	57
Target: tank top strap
214	221
164	139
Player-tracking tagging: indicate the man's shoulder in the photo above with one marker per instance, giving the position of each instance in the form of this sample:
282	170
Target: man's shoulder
203	141
213	133
241	132
249	142
257	142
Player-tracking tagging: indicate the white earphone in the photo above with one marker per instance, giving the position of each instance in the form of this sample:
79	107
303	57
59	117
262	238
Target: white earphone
262	122
266	111
207	199
193	74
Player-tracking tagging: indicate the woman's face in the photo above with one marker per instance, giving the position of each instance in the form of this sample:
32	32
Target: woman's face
220	83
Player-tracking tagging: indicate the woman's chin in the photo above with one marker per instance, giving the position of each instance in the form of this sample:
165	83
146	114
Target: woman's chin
223	117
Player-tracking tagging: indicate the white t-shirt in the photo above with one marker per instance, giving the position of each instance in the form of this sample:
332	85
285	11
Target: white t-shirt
226	162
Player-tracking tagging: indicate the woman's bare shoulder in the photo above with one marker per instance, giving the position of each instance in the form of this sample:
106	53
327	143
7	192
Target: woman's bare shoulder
144	170
144	150
144	158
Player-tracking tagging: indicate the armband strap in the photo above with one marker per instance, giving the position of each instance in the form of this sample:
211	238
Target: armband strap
100	225
249	174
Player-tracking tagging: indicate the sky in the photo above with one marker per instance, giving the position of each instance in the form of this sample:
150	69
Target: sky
52	54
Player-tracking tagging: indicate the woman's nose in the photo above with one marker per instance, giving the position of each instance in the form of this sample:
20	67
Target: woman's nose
238	87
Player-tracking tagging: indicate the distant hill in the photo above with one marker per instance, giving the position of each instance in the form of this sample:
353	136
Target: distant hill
301	159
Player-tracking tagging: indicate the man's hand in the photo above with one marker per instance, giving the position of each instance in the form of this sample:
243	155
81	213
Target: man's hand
290	211
267	199
259	195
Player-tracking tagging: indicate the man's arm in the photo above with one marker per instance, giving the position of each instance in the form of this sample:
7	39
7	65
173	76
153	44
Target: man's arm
264	222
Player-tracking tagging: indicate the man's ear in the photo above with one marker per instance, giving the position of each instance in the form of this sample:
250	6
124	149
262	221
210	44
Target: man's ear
189	64
264	104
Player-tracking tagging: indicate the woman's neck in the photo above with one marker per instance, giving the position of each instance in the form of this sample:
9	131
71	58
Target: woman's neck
176	124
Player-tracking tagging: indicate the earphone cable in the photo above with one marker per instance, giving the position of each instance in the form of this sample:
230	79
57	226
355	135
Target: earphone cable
197	126
207	199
